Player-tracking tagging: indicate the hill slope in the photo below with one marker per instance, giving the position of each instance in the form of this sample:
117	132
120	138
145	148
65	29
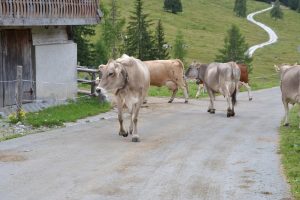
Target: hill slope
204	25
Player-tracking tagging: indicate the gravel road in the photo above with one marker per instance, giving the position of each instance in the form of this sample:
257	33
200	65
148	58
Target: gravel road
184	153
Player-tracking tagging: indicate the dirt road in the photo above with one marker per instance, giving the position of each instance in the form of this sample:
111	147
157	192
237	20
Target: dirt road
184	153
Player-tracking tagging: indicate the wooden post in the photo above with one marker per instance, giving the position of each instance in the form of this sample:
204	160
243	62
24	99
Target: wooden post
93	86
19	91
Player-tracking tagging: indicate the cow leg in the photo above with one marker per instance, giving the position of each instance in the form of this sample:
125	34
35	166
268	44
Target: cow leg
186	96
198	91
286	109
211	108
246	85
133	124
229	110
122	131
173	87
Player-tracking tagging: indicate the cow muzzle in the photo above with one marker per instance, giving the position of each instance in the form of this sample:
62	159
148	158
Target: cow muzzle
102	94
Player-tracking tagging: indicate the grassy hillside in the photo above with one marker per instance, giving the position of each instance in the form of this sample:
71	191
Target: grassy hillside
204	25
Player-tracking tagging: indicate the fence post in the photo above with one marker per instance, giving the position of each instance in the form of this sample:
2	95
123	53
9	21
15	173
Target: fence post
19	91
93	88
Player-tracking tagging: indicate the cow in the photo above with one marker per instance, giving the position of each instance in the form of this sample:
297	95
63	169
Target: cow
129	79
192	72
219	77
290	88
168	73
244	80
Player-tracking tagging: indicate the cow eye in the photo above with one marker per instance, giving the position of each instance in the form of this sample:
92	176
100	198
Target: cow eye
110	73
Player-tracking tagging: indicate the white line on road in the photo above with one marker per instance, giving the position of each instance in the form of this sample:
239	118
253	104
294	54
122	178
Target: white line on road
272	35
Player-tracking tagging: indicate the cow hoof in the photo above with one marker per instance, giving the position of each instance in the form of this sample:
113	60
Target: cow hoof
170	101
228	114
250	99
123	133
135	139
145	101
286	124
212	111
208	110
233	114
186	101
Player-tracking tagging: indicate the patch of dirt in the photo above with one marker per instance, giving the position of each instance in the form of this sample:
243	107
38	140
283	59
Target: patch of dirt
11	157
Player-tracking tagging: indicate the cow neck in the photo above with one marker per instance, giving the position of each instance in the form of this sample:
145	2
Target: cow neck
125	76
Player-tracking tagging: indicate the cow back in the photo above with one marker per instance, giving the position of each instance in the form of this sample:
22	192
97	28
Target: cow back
290	84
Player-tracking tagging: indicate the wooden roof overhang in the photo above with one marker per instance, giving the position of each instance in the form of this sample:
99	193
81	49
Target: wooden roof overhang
49	12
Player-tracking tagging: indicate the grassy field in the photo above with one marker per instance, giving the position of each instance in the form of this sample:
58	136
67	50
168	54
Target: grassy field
290	151
204	25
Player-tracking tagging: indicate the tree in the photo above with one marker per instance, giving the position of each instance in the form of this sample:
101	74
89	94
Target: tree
173	5
139	41
85	49
161	50
240	8
180	47
235	48
276	11
109	43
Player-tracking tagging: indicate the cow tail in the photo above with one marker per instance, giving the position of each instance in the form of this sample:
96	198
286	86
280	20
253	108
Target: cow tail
184	78
233	97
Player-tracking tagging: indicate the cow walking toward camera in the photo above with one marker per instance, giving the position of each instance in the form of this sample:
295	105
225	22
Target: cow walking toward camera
129	79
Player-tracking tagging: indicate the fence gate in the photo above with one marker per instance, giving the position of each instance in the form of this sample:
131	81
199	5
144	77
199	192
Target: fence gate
15	49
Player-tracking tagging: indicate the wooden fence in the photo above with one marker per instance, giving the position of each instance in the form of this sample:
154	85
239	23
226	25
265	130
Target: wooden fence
49	8
93	74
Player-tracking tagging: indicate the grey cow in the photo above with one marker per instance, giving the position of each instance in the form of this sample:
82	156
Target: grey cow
218	77
290	87
129	79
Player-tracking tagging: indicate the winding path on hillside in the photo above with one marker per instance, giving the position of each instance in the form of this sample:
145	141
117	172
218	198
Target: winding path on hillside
272	35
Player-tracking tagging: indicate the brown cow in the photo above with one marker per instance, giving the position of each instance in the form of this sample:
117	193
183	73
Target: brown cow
169	73
129	79
244	79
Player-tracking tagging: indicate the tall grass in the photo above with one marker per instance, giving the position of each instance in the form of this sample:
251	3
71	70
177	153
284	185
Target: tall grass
290	150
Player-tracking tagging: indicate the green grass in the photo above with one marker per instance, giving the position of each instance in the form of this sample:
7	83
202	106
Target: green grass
165	92
56	116
290	150
9	137
204	25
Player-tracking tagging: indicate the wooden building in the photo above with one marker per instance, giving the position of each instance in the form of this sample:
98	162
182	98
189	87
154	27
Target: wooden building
37	34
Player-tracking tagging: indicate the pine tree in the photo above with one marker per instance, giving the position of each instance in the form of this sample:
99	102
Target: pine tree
298	9
160	50
240	8
235	48
179	47
138	42
173	5
85	49
109	44
276	11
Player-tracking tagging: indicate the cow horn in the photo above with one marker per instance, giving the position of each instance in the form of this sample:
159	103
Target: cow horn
276	68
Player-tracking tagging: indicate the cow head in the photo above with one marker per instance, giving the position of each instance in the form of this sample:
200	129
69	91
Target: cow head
192	71
114	76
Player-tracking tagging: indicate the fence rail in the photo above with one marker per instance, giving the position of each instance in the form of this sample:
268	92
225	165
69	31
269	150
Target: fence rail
48	9
93	73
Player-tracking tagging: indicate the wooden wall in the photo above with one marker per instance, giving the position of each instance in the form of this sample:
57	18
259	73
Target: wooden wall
16	46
